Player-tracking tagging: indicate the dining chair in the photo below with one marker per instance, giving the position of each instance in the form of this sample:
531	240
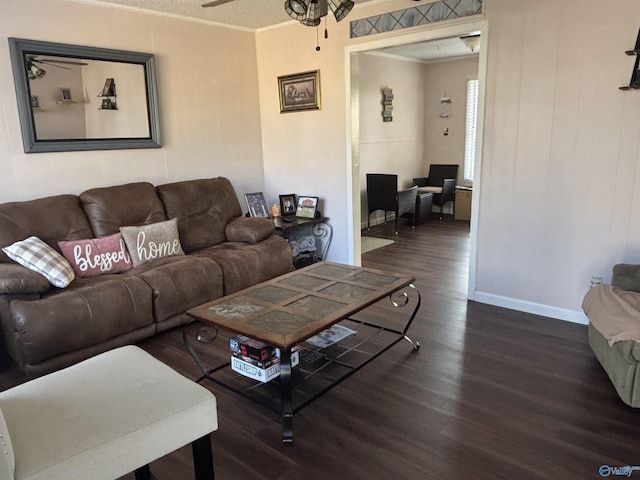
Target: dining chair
383	194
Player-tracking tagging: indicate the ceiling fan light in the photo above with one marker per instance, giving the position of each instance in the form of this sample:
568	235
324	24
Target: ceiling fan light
341	10
472	42
314	13
296	9
34	72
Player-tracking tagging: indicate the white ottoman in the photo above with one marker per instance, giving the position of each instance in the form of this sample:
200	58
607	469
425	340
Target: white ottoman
103	418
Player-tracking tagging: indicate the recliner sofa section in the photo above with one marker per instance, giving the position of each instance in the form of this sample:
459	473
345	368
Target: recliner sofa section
46	328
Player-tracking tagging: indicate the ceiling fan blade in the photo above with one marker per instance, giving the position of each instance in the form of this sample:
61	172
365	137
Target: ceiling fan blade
51	64
51	60
215	3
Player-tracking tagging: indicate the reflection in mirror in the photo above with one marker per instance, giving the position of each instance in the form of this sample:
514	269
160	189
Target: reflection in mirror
83	98
79	112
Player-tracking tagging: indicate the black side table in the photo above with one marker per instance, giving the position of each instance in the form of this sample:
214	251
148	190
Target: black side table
424	204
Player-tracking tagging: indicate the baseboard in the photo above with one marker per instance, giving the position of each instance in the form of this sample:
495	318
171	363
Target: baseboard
391	217
575	316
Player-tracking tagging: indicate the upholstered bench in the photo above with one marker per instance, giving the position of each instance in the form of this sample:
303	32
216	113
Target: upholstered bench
103	418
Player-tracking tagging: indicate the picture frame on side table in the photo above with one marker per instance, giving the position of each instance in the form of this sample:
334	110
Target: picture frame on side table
35	102
306	207
300	91
288	204
256	204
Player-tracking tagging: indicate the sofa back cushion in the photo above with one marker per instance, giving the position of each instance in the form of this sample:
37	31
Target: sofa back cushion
203	208
51	219
110	208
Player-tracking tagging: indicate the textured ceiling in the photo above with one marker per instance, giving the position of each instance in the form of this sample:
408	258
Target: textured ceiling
255	14
431	50
251	14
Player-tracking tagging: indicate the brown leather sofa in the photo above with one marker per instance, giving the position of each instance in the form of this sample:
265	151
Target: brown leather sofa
45	328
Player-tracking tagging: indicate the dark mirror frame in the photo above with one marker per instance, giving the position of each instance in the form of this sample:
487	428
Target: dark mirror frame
19	47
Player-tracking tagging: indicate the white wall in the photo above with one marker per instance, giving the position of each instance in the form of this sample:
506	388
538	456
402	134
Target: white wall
209	107
559	199
390	147
130	119
557	193
447	78
306	152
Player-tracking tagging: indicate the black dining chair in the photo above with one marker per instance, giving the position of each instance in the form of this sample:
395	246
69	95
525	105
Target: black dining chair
383	194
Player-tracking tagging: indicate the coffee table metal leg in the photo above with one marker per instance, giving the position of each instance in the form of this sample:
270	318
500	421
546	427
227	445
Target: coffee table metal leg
287	403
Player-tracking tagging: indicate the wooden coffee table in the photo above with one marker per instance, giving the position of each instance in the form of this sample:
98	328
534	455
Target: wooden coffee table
288	310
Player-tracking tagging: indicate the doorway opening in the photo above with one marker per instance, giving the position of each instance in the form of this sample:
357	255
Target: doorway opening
434	42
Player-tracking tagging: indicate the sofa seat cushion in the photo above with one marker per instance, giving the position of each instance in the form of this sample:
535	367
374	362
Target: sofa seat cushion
51	219
203	208
110	208
244	265
85	314
181	284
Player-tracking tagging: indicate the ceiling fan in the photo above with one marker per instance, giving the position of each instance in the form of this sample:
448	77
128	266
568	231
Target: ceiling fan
215	3
307	12
34	71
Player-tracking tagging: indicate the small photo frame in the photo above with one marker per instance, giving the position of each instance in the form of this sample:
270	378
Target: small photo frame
306	207
109	89
300	91
65	95
256	205
106	104
288	204
35	102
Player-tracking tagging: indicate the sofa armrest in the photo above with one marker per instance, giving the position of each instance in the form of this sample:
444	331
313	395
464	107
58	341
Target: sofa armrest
16	279
249	229
626	277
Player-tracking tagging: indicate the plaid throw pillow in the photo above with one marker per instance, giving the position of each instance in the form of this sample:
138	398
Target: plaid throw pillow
36	255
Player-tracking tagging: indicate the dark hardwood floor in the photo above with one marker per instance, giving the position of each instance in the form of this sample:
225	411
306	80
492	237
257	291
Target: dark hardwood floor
492	394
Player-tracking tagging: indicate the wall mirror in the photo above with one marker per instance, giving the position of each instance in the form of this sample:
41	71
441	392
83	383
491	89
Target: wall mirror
72	97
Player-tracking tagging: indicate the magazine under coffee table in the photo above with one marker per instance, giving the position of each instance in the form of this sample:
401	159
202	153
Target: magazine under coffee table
288	310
